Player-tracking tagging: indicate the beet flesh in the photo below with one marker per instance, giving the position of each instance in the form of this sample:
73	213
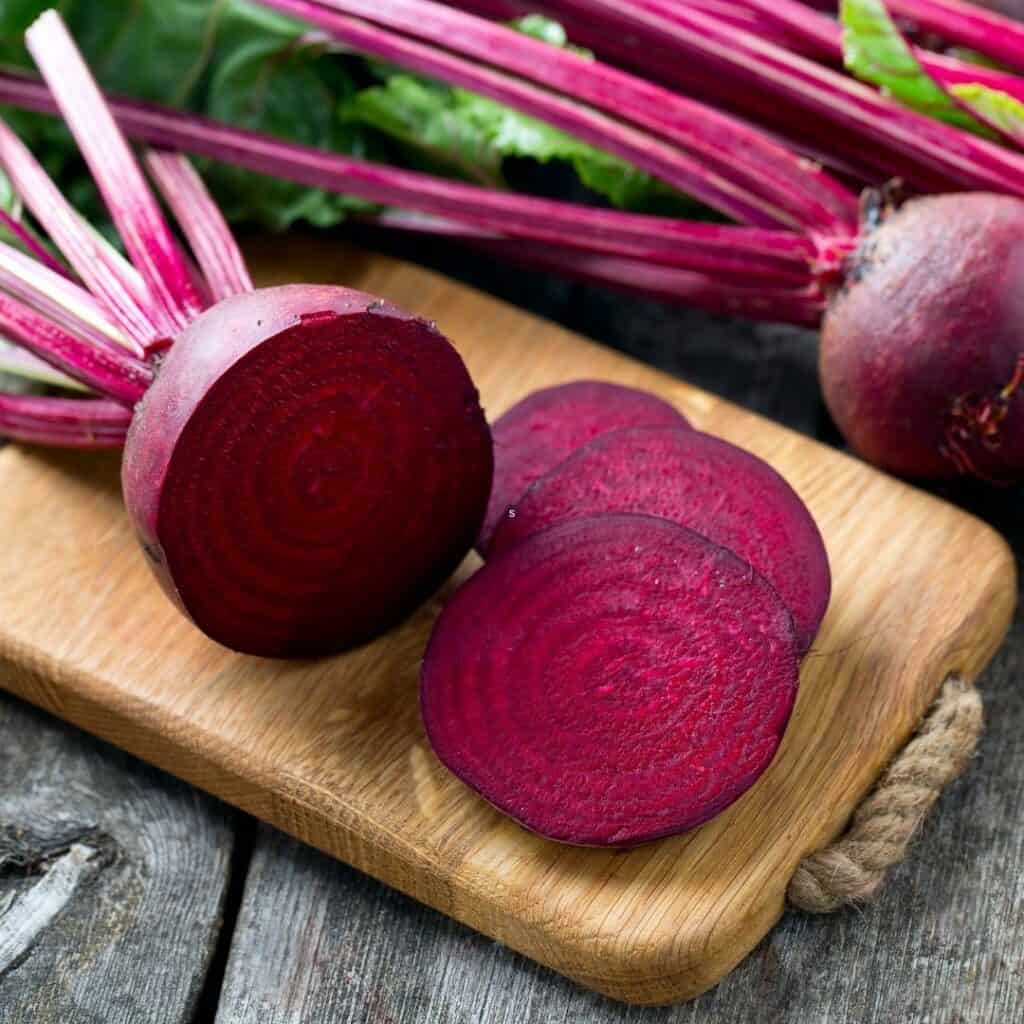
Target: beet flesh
549	425
611	680
921	352
309	465
704	483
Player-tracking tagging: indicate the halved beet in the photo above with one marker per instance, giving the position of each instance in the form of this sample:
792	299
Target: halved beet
548	425
309	465
611	680
724	493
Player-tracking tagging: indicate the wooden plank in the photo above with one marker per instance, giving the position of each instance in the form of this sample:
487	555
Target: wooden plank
112	877
333	751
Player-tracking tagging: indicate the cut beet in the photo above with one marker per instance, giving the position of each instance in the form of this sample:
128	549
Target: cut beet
724	493
611	680
309	465
545	427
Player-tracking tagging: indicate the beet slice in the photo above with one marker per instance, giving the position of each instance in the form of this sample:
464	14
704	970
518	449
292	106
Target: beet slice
309	465
723	492
548	425
611	680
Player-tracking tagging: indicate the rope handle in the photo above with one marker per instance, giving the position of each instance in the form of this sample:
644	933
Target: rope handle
853	869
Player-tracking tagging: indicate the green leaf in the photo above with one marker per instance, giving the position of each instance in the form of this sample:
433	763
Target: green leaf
547	31
266	87
426	120
17	15
544	29
875	51
468	135
998	109
454	131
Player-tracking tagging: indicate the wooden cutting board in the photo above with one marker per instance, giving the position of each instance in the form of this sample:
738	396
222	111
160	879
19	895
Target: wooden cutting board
333	751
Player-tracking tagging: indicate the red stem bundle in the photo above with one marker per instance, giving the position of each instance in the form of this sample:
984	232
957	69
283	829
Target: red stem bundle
761	257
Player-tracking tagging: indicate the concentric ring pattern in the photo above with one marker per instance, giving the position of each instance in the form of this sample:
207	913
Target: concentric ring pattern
702	482
611	680
324	485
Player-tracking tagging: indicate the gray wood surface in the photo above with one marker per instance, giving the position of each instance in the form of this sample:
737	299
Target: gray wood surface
112	879
316	942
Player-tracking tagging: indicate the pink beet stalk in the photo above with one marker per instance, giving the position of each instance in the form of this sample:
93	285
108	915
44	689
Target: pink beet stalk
65	422
139	221
754	75
30	243
220	259
746	296
822	37
697	246
112	280
108	371
58	298
751	164
966	24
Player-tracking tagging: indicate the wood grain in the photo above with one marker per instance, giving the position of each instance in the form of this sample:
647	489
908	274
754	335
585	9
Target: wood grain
125	932
333	752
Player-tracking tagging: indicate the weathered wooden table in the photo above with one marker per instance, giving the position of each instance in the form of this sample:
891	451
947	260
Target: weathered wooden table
160	905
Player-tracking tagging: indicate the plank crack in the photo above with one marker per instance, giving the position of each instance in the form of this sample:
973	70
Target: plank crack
30	849
27	918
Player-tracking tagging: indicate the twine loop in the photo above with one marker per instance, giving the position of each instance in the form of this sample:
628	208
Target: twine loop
854	868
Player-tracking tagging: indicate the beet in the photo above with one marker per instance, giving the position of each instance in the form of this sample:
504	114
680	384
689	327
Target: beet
548	425
611	680
722	492
921	353
303	465
310	464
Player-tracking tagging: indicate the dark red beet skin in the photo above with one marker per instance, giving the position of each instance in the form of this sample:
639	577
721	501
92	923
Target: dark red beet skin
310	464
722	492
611	680
550	424
921	351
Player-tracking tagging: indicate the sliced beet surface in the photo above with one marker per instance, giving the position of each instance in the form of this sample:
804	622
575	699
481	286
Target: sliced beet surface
722	492
310	464
611	680
549	425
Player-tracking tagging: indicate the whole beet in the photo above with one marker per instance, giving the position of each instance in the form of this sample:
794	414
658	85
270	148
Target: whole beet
922	352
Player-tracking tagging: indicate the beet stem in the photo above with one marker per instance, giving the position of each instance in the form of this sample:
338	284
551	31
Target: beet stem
821	37
32	245
114	374
17	362
753	70
65	422
988	32
140	223
60	300
851	166
794	303
725	163
111	278
655	239
220	259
